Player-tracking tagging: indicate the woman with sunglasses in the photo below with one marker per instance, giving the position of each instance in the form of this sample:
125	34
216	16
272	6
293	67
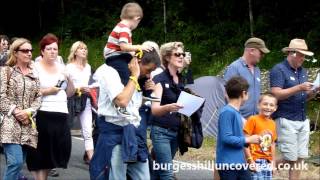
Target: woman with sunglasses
166	123
20	99
54	142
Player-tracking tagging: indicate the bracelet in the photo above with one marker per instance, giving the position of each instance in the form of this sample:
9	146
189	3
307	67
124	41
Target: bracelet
33	124
139	53
250	158
135	81
78	91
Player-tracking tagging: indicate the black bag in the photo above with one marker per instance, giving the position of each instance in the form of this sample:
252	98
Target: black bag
76	104
190	131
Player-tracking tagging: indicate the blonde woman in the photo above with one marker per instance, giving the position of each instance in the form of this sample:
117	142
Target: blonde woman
80	72
20	99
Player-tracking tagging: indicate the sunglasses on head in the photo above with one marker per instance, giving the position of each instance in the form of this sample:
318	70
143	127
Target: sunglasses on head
179	54
25	50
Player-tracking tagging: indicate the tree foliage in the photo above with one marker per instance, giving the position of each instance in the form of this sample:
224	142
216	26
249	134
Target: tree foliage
209	28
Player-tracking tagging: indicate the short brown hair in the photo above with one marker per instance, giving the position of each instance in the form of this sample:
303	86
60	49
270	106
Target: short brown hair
268	94
167	49
131	10
235	86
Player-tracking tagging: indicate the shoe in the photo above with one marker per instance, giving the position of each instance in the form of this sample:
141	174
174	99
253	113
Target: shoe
151	98
122	111
53	173
22	177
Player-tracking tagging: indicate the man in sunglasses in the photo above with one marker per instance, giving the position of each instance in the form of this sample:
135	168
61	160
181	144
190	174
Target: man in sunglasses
246	66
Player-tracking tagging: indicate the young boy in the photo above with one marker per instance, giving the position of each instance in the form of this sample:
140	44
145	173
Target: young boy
119	49
231	140
262	155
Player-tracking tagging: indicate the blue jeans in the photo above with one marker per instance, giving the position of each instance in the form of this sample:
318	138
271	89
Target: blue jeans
120	63
15	157
119	169
165	145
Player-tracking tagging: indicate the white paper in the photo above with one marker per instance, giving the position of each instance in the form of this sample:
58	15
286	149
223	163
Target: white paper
316	83
94	85
189	102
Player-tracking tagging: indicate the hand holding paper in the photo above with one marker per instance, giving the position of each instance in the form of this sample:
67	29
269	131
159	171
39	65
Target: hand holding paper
316	83
190	103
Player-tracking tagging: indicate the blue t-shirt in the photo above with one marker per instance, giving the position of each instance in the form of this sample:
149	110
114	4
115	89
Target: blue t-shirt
284	76
230	139
240	68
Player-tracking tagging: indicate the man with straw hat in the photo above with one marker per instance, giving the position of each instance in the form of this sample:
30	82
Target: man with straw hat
289	83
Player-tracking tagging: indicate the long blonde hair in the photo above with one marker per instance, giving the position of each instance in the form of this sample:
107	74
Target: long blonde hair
72	56
12	60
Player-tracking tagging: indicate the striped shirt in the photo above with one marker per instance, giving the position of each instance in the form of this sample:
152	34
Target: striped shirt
120	34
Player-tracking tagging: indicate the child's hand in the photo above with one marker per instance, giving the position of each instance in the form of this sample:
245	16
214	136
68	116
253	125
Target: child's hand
254	139
146	48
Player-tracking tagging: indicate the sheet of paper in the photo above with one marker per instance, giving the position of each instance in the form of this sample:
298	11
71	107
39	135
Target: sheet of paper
190	103
316	83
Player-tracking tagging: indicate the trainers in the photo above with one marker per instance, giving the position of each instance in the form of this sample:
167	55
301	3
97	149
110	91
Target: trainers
22	177
122	111
53	173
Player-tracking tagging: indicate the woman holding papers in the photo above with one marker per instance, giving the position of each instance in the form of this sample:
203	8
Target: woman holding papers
166	123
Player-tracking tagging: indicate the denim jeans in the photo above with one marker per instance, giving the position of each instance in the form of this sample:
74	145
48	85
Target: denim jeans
119	169
120	63
165	145
15	157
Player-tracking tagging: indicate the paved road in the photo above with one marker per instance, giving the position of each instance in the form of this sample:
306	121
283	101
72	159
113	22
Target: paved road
77	170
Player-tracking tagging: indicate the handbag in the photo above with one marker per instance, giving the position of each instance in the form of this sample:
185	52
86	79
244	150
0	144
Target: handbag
76	103
191	130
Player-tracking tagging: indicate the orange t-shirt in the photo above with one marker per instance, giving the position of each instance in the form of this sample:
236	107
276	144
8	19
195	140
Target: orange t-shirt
260	125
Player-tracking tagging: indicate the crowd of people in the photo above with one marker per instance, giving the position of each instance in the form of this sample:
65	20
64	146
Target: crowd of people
138	88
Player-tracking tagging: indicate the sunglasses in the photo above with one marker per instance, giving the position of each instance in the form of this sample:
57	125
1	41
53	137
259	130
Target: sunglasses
179	54
25	50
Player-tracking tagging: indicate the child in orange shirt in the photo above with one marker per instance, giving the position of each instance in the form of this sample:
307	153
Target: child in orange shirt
262	155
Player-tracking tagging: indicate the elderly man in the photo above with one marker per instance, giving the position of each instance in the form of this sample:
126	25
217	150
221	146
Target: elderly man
289	83
246	66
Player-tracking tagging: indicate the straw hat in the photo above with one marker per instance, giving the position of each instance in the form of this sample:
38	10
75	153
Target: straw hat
298	45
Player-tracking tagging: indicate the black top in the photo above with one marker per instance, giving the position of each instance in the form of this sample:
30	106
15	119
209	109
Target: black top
170	94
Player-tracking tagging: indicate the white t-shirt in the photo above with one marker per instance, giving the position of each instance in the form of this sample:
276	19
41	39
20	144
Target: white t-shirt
80	78
57	102
110	87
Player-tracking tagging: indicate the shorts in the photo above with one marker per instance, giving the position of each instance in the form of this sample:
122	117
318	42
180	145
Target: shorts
293	138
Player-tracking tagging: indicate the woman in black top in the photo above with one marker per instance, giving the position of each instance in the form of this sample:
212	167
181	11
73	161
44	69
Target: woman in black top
166	123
